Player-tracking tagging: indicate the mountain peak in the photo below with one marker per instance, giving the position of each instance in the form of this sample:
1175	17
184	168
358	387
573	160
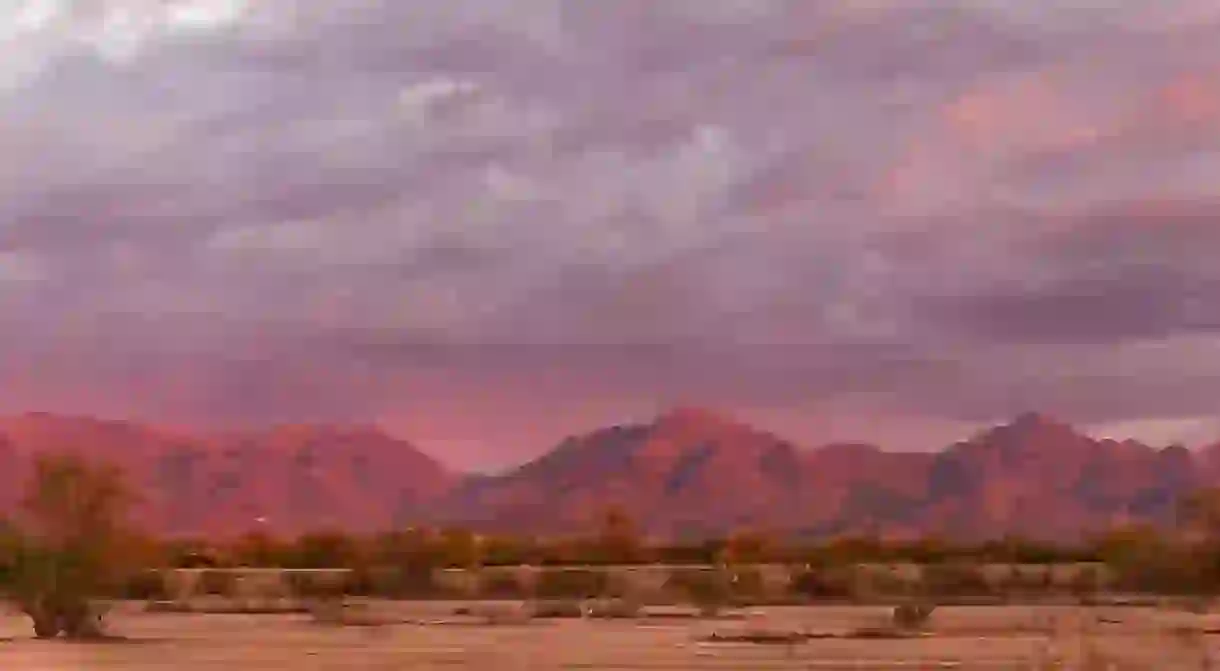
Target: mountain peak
1037	425
1033	419
1033	432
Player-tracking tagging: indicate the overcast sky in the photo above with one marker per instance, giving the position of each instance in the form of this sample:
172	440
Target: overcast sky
489	223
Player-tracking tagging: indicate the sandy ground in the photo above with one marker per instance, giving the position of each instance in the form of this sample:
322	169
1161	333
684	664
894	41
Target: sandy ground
965	638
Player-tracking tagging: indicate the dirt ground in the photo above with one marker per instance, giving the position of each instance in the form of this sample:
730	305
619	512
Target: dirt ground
964	638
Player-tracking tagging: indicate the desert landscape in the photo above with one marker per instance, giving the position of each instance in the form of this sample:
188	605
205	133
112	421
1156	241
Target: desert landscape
610	335
1119	638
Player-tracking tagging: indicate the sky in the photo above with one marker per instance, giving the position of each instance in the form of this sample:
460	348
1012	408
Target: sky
492	223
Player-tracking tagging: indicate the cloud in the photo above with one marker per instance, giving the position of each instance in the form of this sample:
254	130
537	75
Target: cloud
929	208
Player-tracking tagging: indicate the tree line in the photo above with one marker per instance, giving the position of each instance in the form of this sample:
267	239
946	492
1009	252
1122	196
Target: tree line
72	541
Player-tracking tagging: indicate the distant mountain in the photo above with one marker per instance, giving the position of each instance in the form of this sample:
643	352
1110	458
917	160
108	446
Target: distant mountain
692	472
1039	477
689	472
285	479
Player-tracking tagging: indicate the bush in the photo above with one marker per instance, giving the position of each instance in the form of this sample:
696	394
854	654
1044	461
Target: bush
747	584
1166	574
74	546
362	581
914	616
710	590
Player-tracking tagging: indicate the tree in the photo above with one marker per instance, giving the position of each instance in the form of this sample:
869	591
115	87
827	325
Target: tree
708	589
411	555
324	549
748	547
618	540
460	548
1198	517
258	549
509	551
1198	514
74	545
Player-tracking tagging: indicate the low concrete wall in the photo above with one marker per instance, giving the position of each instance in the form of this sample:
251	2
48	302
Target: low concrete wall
642	580
245	584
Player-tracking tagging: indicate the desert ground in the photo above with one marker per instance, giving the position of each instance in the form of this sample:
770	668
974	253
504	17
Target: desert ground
966	638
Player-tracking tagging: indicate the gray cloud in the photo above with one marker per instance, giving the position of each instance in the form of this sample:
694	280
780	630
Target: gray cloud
939	206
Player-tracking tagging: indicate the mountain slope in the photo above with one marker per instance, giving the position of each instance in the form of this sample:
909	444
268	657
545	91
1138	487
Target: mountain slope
285	479
687	473
693	472
683	472
1039	477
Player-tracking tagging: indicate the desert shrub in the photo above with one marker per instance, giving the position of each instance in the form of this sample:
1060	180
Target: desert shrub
331	549
74	545
570	584
710	590
912	616
361	581
380	581
1170	571
747	584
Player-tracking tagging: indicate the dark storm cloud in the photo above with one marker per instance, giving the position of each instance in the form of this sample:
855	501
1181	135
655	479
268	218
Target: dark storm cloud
1102	305
1123	271
940	205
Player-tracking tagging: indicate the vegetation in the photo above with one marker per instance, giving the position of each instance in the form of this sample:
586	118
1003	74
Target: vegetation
70	546
912	616
710	590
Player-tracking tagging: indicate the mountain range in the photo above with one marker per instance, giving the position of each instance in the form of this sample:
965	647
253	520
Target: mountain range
688	472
